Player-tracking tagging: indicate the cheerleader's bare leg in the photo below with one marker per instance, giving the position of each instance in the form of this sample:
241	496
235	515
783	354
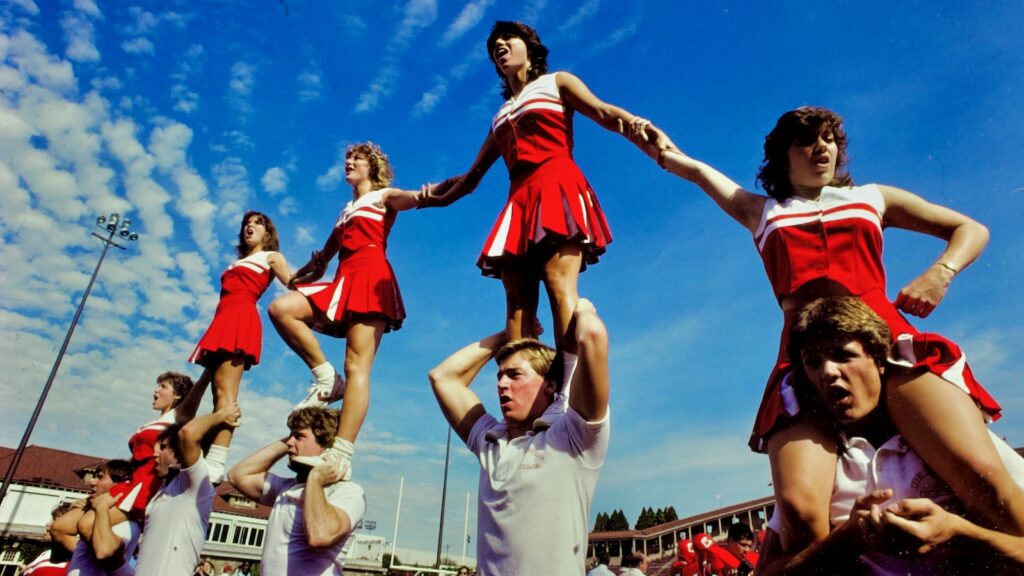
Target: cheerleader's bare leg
803	460
361	343
227	378
561	274
522	291
293	317
923	406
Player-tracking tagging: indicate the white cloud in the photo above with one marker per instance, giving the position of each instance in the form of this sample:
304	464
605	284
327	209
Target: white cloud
275	181
304	235
138	46
584	12
145	22
615	38
287	206
232	186
106	83
27	5
240	83
191	63
88	7
309	86
78	33
382	86
430	98
417	15
330	179
31	58
469	17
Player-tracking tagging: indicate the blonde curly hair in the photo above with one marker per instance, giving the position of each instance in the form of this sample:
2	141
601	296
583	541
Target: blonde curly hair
380	167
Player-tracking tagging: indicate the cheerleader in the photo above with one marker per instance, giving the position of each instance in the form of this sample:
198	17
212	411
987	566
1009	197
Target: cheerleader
360	304
176	399
819	235
552	226
232	343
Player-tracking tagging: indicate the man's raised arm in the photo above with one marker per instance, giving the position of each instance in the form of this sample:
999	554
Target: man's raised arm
590	383
451	380
191	435
249	475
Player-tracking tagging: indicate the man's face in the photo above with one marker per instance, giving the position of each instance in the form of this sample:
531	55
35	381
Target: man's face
522	392
301	442
846	377
740	547
101	483
165	458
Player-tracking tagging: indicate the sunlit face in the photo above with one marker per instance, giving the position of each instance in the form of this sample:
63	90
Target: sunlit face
813	164
101	483
357	168
165	458
301	442
164	396
522	392
510	54
254	232
846	377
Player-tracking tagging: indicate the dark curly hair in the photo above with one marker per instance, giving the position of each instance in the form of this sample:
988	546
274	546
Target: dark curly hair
270	241
118	470
535	51
322	422
800	126
181	384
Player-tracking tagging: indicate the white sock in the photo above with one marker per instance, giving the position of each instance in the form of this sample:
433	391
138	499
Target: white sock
217	460
324	374
343	448
570	362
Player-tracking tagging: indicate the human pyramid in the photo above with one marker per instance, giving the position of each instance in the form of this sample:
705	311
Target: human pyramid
854	384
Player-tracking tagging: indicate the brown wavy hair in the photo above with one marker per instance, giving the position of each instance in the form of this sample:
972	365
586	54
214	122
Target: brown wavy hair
535	51
380	168
181	384
270	240
322	422
800	126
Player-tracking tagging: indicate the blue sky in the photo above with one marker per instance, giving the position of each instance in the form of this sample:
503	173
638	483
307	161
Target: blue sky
184	115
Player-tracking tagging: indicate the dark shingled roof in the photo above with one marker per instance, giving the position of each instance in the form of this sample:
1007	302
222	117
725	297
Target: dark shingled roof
41	466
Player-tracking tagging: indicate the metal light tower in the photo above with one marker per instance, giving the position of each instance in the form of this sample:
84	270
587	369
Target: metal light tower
114	225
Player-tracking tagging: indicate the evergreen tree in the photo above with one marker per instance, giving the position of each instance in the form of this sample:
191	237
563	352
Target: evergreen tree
601	523
618	521
670	514
659	517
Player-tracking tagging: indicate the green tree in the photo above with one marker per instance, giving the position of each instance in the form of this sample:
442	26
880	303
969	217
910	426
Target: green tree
618	521
601	523
670	514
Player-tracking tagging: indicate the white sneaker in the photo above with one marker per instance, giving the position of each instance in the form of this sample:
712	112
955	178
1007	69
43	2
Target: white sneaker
319	395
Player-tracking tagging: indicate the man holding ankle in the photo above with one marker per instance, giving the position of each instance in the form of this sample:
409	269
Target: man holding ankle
535	485
178	515
314	513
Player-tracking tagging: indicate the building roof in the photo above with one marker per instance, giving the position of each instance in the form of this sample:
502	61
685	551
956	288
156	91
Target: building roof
41	466
231	501
682	522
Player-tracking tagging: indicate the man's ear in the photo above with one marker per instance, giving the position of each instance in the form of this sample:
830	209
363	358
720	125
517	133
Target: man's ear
550	387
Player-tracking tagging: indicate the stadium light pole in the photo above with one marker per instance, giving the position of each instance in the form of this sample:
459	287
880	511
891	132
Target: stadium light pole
444	497
114	225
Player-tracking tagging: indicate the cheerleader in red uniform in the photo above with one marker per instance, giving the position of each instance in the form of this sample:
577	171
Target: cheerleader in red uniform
821	236
552	226
360	304
232	343
176	399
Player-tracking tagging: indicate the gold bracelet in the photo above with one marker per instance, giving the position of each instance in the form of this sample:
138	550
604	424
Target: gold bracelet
949	267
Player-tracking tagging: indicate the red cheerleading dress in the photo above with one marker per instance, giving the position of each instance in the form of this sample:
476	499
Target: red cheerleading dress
365	285
839	238
133	495
236	327
549	198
